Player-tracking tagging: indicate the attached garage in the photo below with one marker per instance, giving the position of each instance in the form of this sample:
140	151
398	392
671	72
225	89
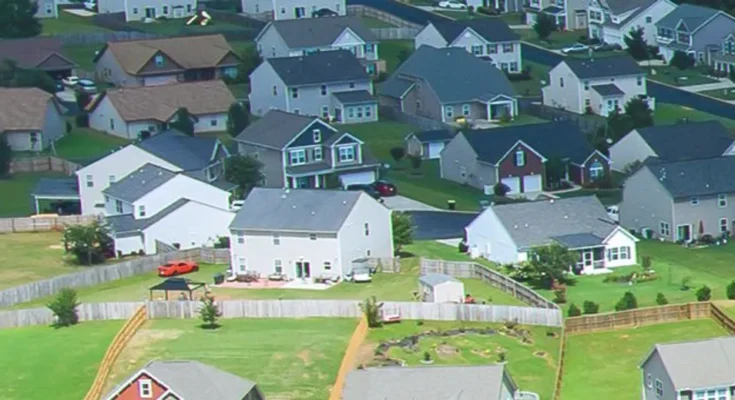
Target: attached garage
532	183
513	183
357	178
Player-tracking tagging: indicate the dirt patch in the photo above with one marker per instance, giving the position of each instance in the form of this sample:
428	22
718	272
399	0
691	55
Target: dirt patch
445	350
56	247
541	354
487	353
279	356
304	356
365	354
625	336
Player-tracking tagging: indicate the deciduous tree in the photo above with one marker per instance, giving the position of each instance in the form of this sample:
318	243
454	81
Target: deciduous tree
6	156
550	263
209	313
544	26
637	47
402	230
238	119
88	243
18	19
183	122
64	307
245	171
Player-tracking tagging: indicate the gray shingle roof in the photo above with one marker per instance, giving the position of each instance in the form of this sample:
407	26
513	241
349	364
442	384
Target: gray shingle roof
436	279
275	129
553	10
425	383
59	187
139	183
609	89
602	67
536	223
355	97
186	152
691	178
319	67
578	240
454	75
689	141
693	16
618	7
297	210
318	32
441	135
491	29
699	364
126	223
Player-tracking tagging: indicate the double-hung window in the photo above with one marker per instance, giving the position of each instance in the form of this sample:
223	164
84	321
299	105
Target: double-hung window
298	157
295	93
347	154
597	171
465	110
713	394
449	112
317	154
477	50
507	47
664	229
659	388
145	389
520	158
722	200
723	225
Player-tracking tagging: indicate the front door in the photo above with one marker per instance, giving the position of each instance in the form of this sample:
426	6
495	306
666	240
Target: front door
150	12
299	12
684	232
587	258
303	269
302	182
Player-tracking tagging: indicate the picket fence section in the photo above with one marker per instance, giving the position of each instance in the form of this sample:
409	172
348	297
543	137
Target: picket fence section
43	224
86	312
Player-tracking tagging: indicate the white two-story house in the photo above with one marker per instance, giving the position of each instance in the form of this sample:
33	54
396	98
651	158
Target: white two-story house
568	14
139	10
488	38
289	9
599	85
694	30
612	20
307	234
333	85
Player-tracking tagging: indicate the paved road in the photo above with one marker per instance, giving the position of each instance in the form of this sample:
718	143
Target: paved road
433	225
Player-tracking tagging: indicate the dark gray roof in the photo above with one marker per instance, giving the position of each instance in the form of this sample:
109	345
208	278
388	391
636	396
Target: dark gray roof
441	135
692	16
602	67
425	383
688	141
538	223
700	364
454	75
126	223
553	10
579	240
318	32
319	67
275	129
139	183
396	88
491	29
57	187
692	178
609	89
186	152
296	210
618	7
355	97
561	139
436	279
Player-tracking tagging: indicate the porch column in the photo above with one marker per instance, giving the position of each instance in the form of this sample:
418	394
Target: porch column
489	111
317	181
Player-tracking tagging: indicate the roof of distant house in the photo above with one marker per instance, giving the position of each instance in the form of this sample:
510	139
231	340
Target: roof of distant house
295	210
161	102
426	383
319	67
619	7
436	279
698	364
602	67
689	141
126	224
45	53
491	29
195	380
684	179
24	109
139	182
355	97
440	135
566	142
186	152
188	52
692	16
318	32
453	74
275	129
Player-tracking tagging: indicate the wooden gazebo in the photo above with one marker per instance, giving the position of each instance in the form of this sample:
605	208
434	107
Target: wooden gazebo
176	285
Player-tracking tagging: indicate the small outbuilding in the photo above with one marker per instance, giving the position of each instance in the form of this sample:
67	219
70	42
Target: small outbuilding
440	288
428	144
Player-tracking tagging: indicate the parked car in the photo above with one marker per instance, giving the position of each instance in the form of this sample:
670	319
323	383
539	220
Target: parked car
455	5
575	48
369	189
385	188
177	268
237	205
86	86
602	46
614	213
70	81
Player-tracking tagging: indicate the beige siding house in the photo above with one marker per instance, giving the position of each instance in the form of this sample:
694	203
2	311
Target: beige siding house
30	119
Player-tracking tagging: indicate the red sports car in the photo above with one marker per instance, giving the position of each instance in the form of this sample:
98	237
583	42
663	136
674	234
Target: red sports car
177	268
385	188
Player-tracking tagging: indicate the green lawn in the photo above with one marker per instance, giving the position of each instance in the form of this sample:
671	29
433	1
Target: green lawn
16	193
672	113
461	15
532	372
557	40
68	23
288	358
539	79
606	363
178	26
83	55
84	144
371	22
239	46
676	77
389	51
240	90
41	362
723	94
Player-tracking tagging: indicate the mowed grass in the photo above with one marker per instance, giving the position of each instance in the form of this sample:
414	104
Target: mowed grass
15	193
287	358
84	144
41	362
676	77
666	114
606	363
389	51
68	23
539	78
83	55
27	257
371	22
531	372
385	286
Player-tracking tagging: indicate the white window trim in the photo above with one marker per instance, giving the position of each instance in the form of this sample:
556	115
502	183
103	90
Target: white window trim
659	385
694	201
722	200
295	159
347	151
318	156
522	162
726	225
142	384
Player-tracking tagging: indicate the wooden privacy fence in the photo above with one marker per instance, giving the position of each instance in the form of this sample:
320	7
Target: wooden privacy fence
723	319
118	344
43	224
348	361
43	164
640	316
364	11
466	269
560	365
86	312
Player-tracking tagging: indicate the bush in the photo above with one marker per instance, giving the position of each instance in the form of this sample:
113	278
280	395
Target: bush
209	313
372	311
704	293
731	291
646	263
627	302
223	242
661	299
501	189
64	307
590	307
706	239
682	60
82	120
574	311
686	283
463	248
560	295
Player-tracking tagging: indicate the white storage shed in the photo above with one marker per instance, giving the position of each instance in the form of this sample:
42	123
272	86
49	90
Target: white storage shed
440	288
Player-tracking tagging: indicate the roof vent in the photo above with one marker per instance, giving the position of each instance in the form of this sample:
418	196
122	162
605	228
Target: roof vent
566	217
283	196
551	201
293	206
313	213
525	225
515	226
344	202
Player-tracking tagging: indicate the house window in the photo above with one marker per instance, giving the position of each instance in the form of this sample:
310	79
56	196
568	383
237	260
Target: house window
297	111
664	229
316	135
368	111
712	394
275	90
682	37
273	51
723	225
359	112
112	179
367	229
346	154
141	211
337	7
722	200
90	180
587	103
418	104
649	381
492	48
477	50
298	157
165	9
240	238
276	239
213	122
352	85
449	112
118	206
597	171
241	264
513	67
659	388
145	388
188	8
639	81
158	59
278	266
625	253
295	93
507	47
586	85
312	236
325	111
694	201
327	266
520	158
649	20
317	154
504	66
350	112
324	90
613	254
465	110
112	124
561	82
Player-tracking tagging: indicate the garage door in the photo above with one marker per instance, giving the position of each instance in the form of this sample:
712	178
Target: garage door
514	184
356	178
531	183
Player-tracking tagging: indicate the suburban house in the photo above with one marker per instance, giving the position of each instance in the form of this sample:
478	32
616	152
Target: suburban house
488	38
300	37
126	112
38	53
681	200
430	383
303	152
47	9
517	157
184	380
199	157
599	85
330	84
678	142
612	20
30	119
449	83
701	369
140	10
428	144
508	233
153	205
288	9
162	61
308	234
695	30
568	14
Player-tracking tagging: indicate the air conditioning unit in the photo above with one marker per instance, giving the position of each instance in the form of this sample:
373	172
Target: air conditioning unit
647	233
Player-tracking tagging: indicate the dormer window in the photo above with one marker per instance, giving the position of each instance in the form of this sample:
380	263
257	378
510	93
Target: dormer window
317	135
145	389
141	211
317	154
346	154
520	158
158	59
324	90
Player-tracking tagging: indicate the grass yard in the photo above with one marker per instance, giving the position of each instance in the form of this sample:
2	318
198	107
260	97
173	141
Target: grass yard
240	90
672	113
557	40
371	22
539	79
722	94
676	77
27	257
287	358
83	55
41	362
68	23
532	372
16	193
239	46
461	15
606	363
389	51
176	26
84	144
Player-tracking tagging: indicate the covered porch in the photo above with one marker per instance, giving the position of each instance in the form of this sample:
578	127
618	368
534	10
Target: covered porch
590	252
559	15
57	196
605	99
353	107
502	106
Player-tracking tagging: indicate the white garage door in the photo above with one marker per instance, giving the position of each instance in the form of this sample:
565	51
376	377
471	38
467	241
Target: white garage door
532	183
356	178
514	184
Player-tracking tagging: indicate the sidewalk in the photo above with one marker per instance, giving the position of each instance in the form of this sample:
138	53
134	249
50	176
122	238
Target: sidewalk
724	83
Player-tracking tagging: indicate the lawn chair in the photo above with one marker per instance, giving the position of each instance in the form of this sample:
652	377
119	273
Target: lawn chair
390	316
